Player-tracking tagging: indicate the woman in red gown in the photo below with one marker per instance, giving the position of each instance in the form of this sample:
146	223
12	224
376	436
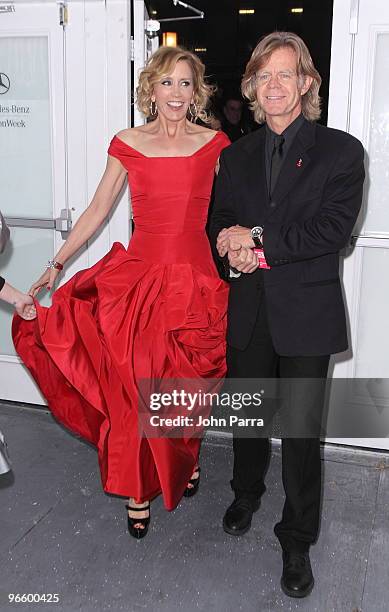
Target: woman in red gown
156	310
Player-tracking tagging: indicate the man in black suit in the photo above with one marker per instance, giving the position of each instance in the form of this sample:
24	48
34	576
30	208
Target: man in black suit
292	191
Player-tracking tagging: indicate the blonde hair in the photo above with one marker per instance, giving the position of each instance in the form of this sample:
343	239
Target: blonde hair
310	101
163	63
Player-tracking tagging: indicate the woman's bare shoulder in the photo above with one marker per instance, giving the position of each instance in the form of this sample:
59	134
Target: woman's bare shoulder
203	134
201	129
130	135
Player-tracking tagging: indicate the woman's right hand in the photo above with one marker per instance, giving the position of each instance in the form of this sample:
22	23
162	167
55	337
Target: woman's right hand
47	280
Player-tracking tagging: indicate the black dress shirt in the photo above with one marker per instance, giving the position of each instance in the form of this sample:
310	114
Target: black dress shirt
289	135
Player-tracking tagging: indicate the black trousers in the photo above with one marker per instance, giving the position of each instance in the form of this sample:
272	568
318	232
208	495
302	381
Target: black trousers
301	463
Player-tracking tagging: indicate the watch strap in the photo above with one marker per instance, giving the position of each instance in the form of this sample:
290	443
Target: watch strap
257	242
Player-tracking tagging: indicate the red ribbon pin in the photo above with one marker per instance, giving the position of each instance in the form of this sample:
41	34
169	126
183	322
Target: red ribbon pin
299	163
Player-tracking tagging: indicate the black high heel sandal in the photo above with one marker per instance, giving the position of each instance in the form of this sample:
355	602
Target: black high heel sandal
190	491
138	532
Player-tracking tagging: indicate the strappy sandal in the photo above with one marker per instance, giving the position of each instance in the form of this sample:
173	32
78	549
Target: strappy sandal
190	491
138	532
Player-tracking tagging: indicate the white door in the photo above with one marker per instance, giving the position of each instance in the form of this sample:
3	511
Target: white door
32	161
359	104
142	47
64	92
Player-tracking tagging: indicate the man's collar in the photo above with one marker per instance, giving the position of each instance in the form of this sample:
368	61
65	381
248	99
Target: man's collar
290	132
256	140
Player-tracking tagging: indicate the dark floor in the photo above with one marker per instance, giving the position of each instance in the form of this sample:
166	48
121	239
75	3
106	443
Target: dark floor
59	533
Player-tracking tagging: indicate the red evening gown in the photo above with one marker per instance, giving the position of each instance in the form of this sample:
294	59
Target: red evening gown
155	310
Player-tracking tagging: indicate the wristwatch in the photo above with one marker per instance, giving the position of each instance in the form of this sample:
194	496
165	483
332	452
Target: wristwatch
256	235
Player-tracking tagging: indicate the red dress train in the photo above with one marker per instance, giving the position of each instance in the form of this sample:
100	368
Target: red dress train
155	310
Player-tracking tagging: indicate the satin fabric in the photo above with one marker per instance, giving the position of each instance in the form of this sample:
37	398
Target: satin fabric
155	310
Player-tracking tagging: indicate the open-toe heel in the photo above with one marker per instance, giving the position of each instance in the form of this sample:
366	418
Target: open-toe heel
195	482
138	532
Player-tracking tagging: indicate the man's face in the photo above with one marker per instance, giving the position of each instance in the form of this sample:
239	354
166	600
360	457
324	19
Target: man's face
233	111
279	88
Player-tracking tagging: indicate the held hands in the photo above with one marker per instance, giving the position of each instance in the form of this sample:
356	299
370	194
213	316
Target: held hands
25	307
47	279
23	303
244	260
233	239
236	241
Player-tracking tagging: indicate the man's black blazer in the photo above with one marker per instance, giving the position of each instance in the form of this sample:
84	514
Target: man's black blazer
311	216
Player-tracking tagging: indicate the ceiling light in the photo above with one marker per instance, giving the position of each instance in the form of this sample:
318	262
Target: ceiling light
169	39
246	11
200	49
297	10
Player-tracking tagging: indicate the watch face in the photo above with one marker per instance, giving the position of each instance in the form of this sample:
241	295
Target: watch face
257	232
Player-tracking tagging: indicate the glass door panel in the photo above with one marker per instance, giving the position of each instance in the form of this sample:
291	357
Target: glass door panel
25	120
373	332
376	214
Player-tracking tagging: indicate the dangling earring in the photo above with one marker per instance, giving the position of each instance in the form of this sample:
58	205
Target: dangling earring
153	108
193	111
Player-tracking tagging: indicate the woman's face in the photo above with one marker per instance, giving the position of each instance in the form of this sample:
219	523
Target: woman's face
174	93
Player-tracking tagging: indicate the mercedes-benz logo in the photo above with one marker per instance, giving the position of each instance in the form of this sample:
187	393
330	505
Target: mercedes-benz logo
4	83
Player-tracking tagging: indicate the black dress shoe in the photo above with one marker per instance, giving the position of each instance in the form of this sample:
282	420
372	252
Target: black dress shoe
297	579
237	519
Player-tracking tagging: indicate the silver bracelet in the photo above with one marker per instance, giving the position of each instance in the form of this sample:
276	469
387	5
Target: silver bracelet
54	265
